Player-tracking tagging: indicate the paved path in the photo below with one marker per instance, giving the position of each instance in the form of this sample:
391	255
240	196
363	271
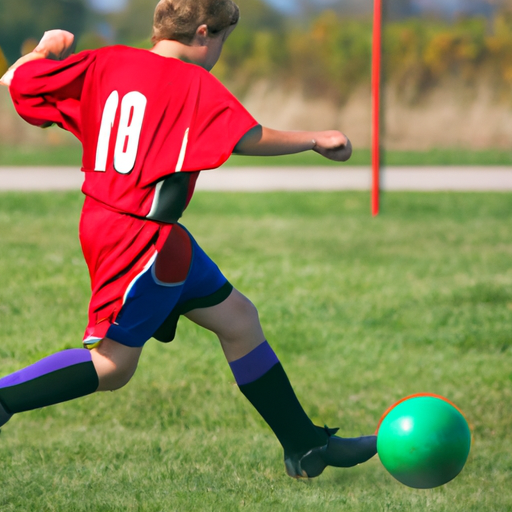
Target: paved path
290	178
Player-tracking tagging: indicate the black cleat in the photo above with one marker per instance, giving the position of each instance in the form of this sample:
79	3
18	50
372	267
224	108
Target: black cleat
339	452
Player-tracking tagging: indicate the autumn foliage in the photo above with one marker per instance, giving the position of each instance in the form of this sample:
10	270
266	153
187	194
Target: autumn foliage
331	55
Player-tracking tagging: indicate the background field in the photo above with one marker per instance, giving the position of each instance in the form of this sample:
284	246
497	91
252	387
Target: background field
71	155
361	311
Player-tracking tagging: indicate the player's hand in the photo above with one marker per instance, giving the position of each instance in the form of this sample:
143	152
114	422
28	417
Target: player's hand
56	44
333	145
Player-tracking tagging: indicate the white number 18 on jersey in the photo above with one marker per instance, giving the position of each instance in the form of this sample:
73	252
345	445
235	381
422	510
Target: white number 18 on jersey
133	106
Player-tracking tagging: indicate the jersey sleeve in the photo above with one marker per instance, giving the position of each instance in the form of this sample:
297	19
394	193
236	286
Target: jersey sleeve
46	91
220	121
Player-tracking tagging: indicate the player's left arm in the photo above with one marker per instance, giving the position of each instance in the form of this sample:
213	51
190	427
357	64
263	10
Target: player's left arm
262	141
55	44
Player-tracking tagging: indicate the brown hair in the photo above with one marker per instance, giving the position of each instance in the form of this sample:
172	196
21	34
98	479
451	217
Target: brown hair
178	19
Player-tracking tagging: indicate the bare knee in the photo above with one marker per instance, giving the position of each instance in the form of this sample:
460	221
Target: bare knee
236	323
115	364
243	321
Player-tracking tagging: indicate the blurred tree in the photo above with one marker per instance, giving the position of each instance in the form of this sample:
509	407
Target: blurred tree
133	24
3	63
28	19
397	9
257	14
256	48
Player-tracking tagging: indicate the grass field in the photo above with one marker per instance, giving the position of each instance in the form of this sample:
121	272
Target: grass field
70	155
361	311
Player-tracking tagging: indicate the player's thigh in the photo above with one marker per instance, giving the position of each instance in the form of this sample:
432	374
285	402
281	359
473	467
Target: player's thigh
235	320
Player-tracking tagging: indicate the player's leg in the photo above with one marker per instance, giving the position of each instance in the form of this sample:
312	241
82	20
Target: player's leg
114	363
148	289
67	375
111	363
262	379
210	301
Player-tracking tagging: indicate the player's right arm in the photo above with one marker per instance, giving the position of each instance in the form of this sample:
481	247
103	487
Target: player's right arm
55	44
262	141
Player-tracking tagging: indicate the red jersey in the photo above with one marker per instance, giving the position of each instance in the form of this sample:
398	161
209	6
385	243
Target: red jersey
141	118
148	125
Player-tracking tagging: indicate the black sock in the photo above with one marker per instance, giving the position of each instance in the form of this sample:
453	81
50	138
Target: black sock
57	378
273	397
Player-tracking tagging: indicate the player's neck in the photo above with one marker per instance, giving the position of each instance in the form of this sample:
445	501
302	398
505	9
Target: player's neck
175	50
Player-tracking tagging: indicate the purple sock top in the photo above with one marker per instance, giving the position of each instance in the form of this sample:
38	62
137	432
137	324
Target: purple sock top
254	365
47	365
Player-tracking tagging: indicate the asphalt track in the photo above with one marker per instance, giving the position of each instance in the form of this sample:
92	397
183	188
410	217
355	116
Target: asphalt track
259	179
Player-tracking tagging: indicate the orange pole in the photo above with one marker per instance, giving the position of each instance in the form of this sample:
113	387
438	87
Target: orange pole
376	80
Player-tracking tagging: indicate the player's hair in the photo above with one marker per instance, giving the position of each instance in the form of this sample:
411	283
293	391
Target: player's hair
178	19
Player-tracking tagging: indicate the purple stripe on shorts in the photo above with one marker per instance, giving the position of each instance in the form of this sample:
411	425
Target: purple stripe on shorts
47	365
254	364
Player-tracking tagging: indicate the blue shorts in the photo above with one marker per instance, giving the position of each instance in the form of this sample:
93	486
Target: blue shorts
152	308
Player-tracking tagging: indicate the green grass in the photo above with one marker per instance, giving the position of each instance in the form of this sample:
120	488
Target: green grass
70	155
361	311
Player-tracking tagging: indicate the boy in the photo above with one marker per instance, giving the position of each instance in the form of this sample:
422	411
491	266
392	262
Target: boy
149	121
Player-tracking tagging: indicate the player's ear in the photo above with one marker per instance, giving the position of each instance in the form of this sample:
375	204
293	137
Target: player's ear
201	34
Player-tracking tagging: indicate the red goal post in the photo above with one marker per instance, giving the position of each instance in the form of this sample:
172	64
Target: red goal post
376	90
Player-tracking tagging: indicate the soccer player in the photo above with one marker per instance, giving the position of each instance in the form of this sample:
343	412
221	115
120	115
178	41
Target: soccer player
149	122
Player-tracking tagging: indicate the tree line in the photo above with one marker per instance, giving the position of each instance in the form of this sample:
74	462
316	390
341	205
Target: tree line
327	53
331	55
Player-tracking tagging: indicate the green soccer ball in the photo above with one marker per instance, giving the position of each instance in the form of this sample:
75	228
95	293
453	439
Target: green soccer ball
423	441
